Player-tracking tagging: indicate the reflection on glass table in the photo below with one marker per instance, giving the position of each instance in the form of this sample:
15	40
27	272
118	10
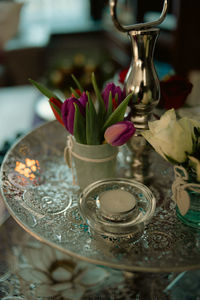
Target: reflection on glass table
38	191
37	188
30	269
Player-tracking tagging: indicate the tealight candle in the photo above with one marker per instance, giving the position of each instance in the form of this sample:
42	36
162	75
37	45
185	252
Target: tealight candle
116	204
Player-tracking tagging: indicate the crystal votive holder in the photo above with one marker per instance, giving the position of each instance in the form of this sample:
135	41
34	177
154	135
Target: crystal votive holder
117	207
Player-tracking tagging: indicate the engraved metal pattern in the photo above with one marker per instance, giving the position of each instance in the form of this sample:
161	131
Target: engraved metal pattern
166	244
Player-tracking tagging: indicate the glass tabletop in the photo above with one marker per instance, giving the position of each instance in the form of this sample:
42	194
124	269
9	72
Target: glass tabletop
38	191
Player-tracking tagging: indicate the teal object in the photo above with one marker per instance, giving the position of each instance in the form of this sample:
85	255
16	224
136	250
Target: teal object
192	217
186	193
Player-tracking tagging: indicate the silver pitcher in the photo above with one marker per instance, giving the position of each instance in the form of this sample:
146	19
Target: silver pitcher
143	81
142	78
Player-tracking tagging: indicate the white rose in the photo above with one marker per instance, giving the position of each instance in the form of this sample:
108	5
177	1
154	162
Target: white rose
170	137
194	162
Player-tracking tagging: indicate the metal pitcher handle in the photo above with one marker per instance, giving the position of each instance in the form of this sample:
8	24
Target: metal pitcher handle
139	26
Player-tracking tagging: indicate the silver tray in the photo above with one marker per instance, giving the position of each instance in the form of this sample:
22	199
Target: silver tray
38	192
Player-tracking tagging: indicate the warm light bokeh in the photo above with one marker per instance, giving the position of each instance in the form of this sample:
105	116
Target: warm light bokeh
28	168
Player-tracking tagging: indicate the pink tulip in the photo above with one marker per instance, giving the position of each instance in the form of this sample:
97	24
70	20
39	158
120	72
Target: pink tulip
119	133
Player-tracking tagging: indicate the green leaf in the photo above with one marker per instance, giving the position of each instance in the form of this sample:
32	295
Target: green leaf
77	83
79	126
88	126
92	126
45	91
118	113
74	92
116	98
55	108
102	107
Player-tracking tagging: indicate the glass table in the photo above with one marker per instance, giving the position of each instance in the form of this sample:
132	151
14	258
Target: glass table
38	192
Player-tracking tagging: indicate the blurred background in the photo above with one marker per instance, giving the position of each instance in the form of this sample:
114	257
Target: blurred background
47	40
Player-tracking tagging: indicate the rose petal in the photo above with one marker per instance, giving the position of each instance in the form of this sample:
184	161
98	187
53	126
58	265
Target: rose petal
174	92
122	75
172	138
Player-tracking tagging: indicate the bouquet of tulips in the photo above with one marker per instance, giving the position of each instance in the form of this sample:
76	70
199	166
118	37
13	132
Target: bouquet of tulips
176	140
93	122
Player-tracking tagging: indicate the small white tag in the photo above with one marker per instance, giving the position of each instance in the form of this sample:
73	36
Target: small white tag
183	201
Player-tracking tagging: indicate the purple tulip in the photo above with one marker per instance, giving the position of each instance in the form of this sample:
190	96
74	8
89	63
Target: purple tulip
83	99
111	87
68	110
119	133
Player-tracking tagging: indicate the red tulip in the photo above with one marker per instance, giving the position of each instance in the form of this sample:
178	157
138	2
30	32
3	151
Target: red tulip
78	92
56	106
